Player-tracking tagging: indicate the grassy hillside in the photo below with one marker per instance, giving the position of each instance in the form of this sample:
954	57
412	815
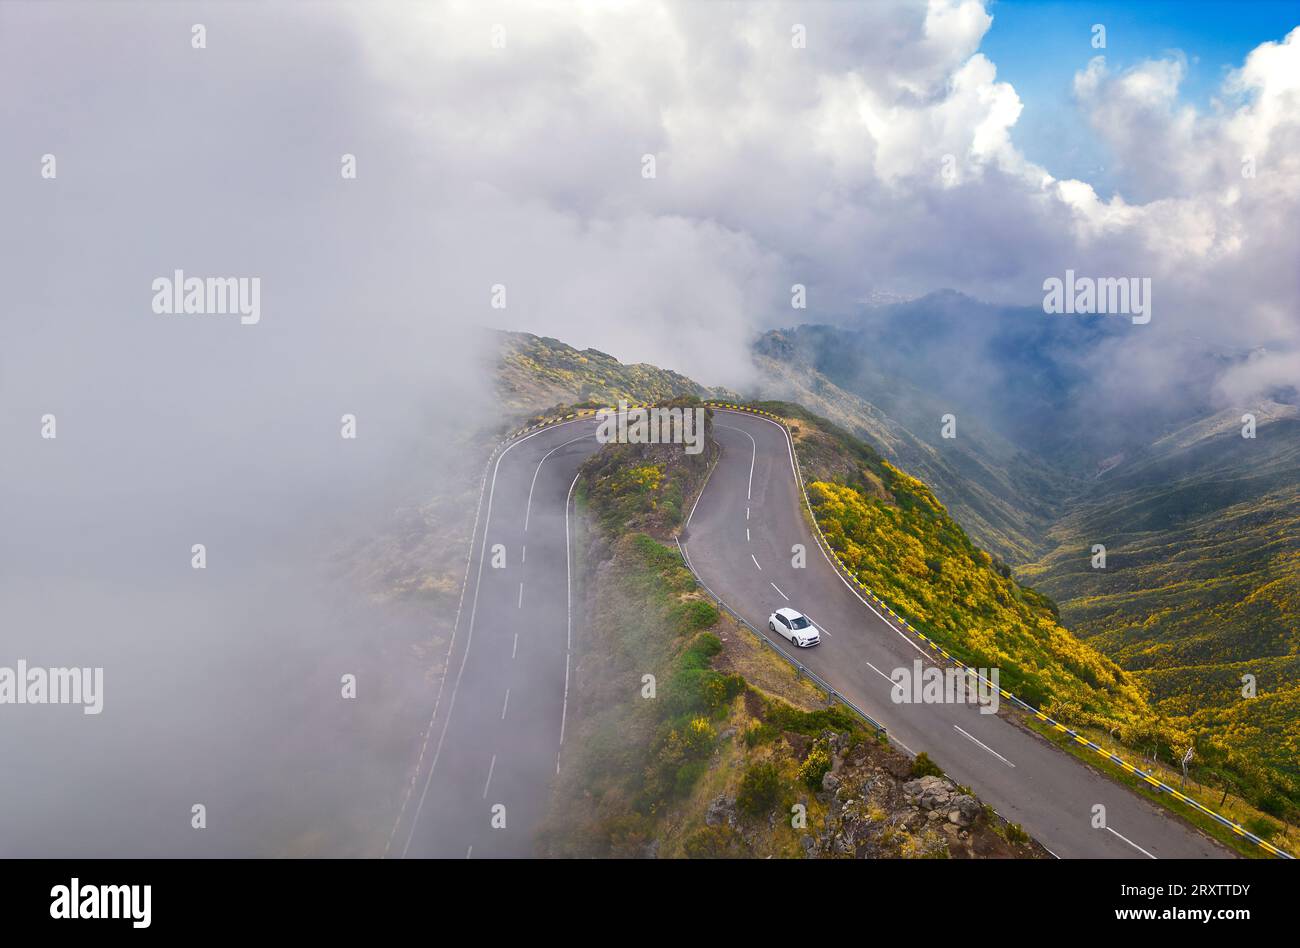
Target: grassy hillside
534	373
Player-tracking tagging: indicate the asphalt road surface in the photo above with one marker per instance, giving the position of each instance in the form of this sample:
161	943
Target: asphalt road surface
496	738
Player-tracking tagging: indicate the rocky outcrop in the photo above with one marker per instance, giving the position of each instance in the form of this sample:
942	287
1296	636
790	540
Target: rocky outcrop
876	809
940	796
721	812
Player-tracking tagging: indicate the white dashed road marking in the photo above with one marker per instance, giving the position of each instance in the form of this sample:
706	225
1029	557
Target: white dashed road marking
1131	843
821	628
986	747
880	673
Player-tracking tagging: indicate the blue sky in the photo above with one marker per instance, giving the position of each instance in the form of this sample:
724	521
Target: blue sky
1038	47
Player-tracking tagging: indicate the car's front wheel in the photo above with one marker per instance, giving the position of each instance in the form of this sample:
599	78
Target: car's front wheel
772	626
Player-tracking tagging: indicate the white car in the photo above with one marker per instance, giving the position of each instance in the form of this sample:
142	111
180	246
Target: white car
795	627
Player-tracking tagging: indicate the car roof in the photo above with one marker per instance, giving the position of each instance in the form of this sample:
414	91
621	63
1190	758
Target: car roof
790	613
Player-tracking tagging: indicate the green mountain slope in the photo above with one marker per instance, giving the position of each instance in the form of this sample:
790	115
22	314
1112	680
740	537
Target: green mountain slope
1202	579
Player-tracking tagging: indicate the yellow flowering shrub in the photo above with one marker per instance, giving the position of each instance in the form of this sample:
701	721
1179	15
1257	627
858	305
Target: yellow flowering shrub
911	554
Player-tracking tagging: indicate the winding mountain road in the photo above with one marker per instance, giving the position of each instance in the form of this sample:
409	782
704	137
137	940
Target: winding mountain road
496	738
739	540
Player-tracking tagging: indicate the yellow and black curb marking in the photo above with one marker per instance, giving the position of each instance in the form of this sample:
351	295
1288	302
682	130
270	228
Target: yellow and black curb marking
556	419
934	646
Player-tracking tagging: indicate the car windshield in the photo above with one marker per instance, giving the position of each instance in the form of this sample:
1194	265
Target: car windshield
799	622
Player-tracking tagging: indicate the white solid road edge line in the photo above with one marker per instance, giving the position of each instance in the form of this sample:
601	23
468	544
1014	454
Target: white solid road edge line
568	633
